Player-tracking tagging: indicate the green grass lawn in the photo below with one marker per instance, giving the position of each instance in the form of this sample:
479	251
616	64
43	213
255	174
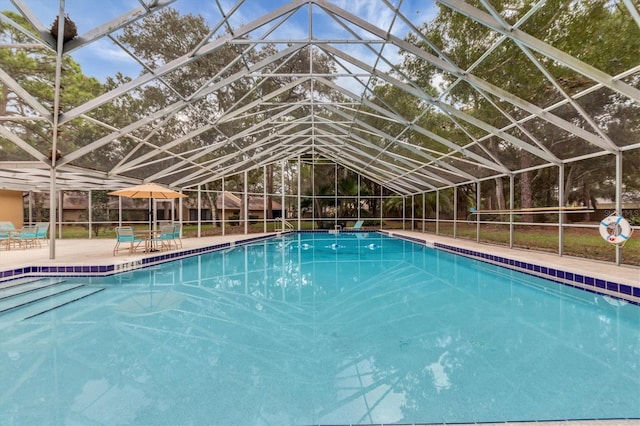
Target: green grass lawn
579	242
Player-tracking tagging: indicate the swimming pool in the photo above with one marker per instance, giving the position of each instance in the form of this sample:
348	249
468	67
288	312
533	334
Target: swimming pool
316	329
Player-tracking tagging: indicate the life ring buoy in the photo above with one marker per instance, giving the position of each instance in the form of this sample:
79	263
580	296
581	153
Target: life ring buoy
615	229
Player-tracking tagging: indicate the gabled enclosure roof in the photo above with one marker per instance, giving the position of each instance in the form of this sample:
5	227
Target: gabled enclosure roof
282	80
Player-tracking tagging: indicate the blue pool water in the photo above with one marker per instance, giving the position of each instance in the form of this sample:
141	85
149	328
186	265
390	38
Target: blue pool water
320	329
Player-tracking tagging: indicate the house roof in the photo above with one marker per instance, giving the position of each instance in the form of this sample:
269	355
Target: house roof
233	202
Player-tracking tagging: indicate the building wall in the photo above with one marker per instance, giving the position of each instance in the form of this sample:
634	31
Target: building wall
11	207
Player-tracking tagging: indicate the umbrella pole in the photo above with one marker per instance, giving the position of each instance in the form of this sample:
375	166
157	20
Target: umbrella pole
152	248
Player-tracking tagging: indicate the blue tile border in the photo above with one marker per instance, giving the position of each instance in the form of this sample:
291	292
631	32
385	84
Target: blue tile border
572	279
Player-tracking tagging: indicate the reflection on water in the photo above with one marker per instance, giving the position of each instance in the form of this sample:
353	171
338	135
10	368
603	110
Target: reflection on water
317	329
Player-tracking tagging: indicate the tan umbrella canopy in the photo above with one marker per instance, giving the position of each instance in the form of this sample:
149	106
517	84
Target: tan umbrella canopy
148	190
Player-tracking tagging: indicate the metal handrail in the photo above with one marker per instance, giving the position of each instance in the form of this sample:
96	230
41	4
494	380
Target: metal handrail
285	225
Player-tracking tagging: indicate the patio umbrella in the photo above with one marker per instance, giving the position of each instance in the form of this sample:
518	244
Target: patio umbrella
150	191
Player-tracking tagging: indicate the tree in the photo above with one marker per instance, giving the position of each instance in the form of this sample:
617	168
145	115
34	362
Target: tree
99	210
614	39
167	35
34	70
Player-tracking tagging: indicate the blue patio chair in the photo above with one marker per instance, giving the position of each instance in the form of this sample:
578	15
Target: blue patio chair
177	234
42	229
163	241
126	236
5	236
7	226
25	237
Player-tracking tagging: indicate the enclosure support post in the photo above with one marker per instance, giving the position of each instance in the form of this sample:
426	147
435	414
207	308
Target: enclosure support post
224	221
335	195
54	137
264	199
245	207
283	208
59	207
313	193
560	204
90	213
424	205
404	211
52	214
438	212
200	211
618	200
455	211
413	212
358	199
478	207
30	206
381	208
512	207
299	207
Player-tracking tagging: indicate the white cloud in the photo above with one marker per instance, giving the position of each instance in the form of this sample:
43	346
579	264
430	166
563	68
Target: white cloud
103	58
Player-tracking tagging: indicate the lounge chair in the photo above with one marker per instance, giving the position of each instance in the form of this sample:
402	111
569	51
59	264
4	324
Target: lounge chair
356	225
124	234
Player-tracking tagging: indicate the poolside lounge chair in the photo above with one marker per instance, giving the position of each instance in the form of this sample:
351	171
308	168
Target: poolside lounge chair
356	225
124	234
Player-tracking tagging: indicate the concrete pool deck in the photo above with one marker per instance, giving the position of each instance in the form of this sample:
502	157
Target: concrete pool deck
95	252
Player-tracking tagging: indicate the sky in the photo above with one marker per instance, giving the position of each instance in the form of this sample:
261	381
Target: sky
103	58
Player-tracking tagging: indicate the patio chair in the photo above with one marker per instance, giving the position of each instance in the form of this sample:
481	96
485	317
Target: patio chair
7	226
356	225
5	237
25	237
42	228
163	241
177	234
124	234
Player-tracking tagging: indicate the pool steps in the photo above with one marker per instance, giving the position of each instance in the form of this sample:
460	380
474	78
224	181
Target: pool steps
27	298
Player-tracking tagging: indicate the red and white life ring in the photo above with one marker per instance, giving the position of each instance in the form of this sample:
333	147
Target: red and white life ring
615	229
